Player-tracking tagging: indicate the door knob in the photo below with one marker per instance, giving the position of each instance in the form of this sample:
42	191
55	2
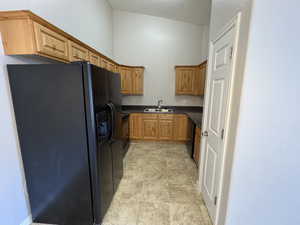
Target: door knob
204	134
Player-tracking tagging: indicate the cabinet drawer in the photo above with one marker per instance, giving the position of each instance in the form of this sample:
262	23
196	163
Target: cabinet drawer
77	52
166	116
51	43
150	116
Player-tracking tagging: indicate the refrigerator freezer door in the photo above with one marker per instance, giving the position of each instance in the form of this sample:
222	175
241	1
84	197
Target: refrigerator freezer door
104	164
117	156
97	98
50	115
100	85
115	95
117	142
104	157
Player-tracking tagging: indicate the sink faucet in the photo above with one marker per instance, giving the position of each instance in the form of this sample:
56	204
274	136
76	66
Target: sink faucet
159	103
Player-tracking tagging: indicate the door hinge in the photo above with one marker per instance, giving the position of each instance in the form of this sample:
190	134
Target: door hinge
222	134
216	200
231	53
204	134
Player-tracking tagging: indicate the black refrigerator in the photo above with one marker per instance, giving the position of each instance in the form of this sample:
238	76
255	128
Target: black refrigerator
68	119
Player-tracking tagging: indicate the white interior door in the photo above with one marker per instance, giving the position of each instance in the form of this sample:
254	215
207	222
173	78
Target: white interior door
218	88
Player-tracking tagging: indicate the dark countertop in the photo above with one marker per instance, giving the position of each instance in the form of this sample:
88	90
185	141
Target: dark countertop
193	112
196	117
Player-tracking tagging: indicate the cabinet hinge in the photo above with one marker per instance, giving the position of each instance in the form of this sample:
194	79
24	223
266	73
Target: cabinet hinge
222	134
216	200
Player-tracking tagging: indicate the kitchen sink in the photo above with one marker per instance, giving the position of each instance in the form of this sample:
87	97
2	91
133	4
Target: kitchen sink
157	110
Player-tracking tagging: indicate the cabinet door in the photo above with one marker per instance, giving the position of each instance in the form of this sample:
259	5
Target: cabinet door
138	81
126	80
166	127
111	66
150	127
182	128
197	144
199	83
185	81
103	63
77	52
135	126
116	70
203	79
94	59
50	43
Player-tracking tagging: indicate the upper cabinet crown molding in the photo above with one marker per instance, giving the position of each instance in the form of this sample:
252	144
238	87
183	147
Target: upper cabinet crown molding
25	33
190	80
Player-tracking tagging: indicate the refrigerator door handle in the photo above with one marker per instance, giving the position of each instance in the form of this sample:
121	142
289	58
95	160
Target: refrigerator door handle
112	120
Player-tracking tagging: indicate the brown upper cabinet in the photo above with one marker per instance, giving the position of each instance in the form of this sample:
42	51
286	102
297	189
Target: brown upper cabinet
77	52
185	80
104	63
111	66
132	80
200	78
126	80
94	58
190	80
138	81
50	43
24	33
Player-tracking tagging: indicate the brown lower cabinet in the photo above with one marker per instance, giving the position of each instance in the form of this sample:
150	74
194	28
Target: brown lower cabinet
135	126
166	127
160	127
197	144
150	126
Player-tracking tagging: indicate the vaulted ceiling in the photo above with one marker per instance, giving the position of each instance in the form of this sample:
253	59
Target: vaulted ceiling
190	11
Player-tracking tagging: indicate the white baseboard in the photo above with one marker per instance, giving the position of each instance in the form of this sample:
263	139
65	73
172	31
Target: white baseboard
27	221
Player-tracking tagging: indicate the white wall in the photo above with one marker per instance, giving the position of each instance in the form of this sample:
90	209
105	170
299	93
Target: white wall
205	43
158	44
89	21
13	195
266	171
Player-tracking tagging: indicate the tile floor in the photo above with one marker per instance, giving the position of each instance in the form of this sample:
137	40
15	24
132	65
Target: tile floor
158	188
